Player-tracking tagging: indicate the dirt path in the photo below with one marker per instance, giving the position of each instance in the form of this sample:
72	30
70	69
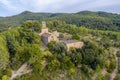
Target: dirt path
114	73
20	71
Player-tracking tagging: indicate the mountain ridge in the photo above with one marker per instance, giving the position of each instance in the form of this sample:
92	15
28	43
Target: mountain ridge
90	19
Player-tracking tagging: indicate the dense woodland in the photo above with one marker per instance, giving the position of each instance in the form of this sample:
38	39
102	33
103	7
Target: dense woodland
94	20
23	44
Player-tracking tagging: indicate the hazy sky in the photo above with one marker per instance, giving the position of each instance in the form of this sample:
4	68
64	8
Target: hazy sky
12	7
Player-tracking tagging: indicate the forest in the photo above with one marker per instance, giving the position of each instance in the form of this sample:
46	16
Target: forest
96	60
92	20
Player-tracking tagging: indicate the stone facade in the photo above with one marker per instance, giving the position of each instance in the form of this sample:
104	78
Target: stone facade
72	44
46	36
44	29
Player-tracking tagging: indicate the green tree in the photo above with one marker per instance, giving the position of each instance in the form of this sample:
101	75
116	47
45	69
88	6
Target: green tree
76	57
55	47
76	36
92	55
35	26
5	77
4	54
53	65
117	77
87	70
28	36
99	74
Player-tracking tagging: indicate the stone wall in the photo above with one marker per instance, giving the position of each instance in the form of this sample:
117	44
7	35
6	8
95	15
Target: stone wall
74	45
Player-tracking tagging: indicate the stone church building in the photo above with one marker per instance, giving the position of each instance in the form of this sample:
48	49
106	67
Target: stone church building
46	37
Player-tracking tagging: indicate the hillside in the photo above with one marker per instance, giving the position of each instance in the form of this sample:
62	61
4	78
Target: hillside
22	56
94	20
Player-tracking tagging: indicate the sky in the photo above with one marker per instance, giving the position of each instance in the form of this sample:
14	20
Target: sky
13	7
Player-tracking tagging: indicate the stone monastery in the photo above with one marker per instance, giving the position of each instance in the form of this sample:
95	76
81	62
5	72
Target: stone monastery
46	37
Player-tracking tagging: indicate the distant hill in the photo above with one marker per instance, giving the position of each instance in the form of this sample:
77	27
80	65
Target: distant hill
94	20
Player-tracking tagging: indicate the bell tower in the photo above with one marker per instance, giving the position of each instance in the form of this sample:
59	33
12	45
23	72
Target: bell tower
44	29
43	24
